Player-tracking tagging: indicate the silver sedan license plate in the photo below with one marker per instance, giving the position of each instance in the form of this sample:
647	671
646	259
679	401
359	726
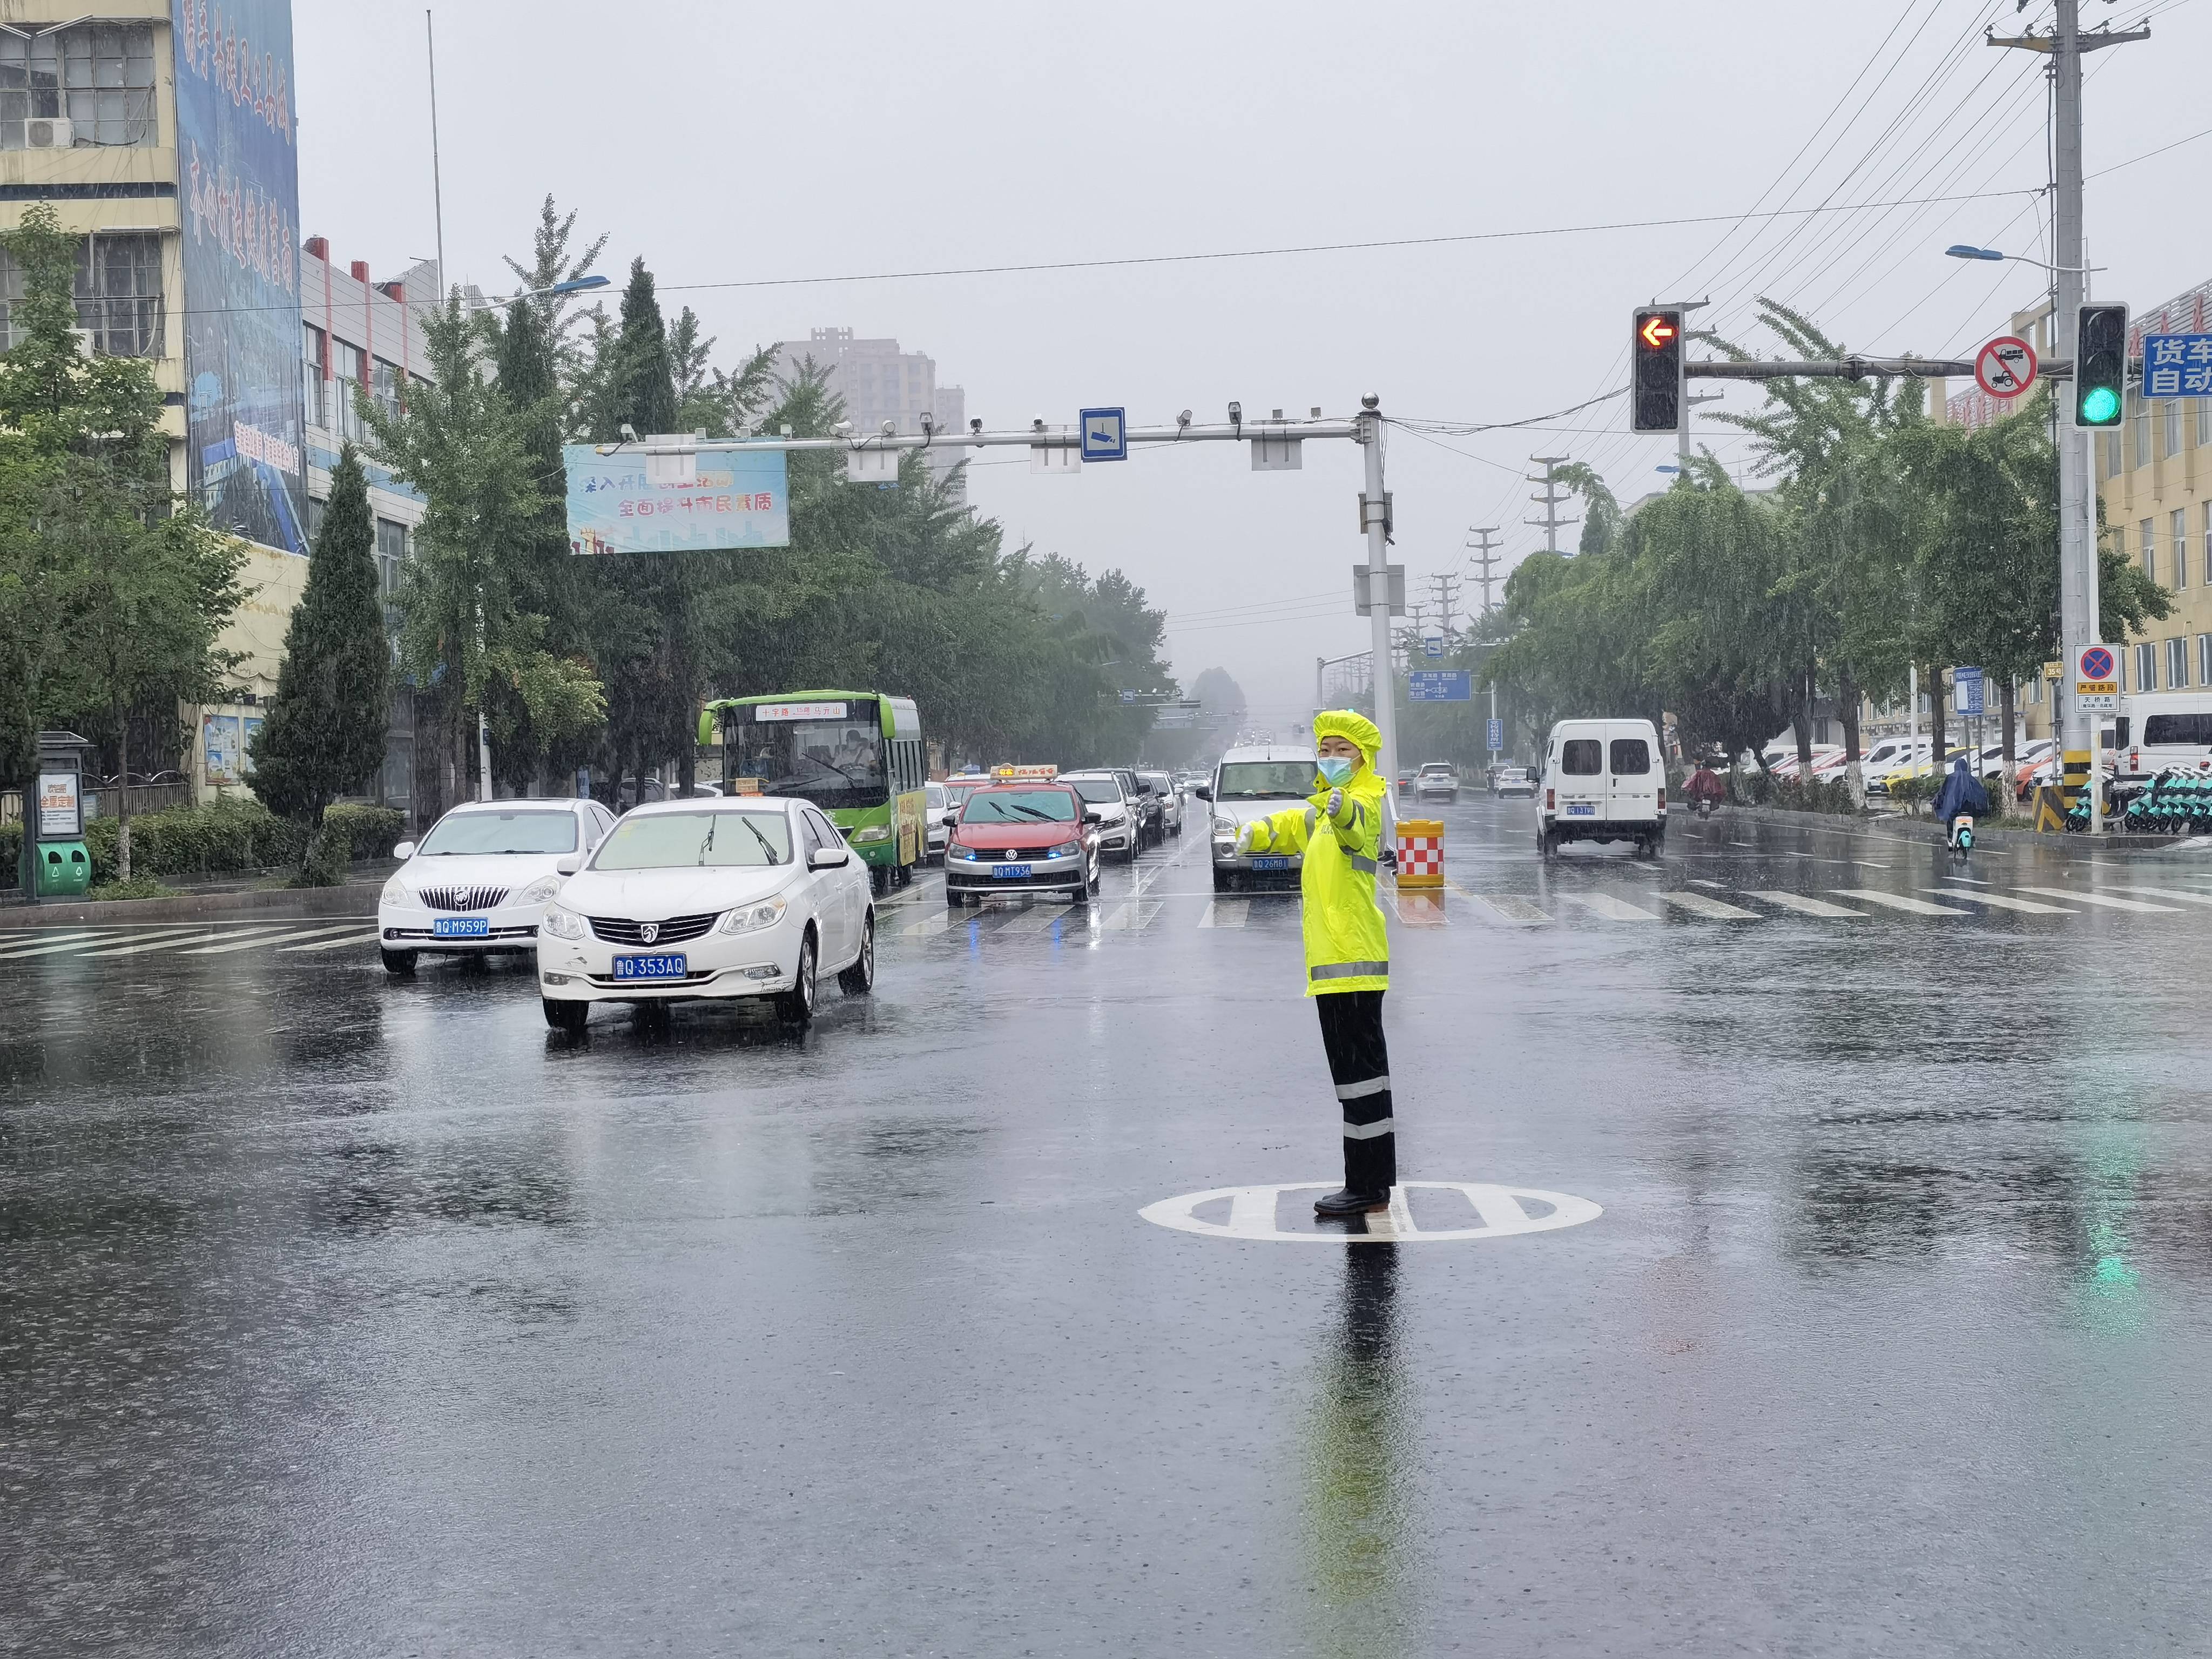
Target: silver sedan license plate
1010	872
1271	864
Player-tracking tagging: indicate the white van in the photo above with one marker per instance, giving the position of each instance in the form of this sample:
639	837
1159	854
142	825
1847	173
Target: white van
1603	780
2162	729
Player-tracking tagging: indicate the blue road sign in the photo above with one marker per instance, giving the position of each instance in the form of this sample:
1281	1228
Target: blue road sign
1433	646
1497	736
2177	365
1105	434
1440	685
1967	682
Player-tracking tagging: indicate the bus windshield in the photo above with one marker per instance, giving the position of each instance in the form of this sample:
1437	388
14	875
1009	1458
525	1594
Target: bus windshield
831	762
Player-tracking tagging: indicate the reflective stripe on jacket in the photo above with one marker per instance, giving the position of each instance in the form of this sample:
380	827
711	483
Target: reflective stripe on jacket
1347	948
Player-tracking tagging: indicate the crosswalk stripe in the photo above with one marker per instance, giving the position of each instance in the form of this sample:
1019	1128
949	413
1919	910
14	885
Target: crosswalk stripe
191	937
2172	893
1235	914
1699	905
91	942
1131	917
332	943
257	942
2105	899
1900	902
1037	919
1611	909
1998	901
40	943
1803	905
1512	908
924	926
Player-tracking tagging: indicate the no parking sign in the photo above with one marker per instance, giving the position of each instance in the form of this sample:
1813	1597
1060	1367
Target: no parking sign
2097	679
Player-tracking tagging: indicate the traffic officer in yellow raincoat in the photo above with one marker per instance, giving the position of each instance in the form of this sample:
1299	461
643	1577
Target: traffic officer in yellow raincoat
1340	832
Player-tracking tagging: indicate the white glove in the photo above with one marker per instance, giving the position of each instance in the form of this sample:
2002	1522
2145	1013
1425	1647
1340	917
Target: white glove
1335	802
1247	838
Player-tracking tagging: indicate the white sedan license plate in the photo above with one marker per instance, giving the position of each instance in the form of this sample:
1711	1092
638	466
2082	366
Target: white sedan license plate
1581	809
666	966
1271	864
460	926
1010	872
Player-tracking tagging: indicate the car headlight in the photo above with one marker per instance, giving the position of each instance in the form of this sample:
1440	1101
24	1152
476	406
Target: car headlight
562	923
752	918
1067	849
397	894
874	832
539	891
1224	826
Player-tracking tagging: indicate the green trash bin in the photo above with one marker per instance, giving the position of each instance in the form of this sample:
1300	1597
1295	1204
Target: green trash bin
65	869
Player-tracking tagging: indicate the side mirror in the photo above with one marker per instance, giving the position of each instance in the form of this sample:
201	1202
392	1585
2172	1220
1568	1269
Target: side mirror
405	849
1203	791
1093	815
829	858
568	864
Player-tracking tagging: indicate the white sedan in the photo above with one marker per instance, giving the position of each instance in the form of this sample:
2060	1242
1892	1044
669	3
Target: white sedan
750	895
481	879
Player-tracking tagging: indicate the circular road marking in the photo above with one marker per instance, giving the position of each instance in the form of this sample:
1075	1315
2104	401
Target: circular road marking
1251	1213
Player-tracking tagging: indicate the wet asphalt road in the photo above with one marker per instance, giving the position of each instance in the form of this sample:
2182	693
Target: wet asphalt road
347	1317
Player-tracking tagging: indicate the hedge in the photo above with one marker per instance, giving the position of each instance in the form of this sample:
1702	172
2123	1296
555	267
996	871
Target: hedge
226	835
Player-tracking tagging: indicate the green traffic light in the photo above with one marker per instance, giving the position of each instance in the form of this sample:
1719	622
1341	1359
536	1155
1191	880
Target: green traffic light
2101	405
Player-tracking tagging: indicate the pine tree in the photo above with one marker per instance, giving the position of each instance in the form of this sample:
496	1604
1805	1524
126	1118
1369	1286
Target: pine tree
324	733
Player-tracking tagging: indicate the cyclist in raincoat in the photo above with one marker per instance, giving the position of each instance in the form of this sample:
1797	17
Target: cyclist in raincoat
1341	833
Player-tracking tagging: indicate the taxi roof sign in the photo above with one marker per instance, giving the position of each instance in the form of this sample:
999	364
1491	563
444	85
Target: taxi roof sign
1025	774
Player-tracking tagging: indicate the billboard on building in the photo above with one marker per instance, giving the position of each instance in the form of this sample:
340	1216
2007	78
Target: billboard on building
634	503
238	160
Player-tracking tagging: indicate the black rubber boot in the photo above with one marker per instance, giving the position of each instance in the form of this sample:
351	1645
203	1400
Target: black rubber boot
1347	1202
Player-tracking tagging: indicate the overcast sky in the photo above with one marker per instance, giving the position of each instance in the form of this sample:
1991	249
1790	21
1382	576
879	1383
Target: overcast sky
737	144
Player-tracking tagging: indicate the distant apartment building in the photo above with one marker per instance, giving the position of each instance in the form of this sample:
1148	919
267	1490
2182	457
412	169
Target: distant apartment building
2153	479
878	382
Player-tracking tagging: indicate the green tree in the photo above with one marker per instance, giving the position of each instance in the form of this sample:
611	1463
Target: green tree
324	733
112	591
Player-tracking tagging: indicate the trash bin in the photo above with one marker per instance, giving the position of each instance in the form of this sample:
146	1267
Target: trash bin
56	862
65	869
1421	852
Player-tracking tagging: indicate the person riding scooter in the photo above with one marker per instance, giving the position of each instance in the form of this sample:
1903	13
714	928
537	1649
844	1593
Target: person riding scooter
1958	803
1704	790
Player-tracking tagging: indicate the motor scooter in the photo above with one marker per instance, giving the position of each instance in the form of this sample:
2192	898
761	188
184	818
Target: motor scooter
1962	833
1705	806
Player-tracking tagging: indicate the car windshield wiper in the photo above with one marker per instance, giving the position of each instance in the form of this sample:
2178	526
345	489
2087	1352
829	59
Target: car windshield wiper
766	847
707	844
1016	806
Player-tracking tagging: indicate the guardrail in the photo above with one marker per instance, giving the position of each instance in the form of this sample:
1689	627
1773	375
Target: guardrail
142	798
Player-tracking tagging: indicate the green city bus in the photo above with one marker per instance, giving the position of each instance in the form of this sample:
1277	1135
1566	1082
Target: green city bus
856	755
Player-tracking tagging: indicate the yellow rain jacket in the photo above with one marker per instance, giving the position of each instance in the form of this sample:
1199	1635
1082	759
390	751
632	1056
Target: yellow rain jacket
1346	946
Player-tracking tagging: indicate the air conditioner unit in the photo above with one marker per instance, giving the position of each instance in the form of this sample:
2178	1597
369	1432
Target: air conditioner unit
48	132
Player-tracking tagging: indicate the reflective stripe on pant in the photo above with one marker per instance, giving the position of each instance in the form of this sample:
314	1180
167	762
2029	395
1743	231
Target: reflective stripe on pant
1351	1032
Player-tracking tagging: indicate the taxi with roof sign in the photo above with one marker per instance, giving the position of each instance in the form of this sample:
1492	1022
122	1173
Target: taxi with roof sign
1025	831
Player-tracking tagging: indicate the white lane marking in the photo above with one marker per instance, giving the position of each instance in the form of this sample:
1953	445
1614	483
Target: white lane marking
1699	905
2105	899
1236	914
1038	919
1130	917
1900	902
1700	881
1969	880
40	943
281	938
1998	901
1509	909
1611	909
2172	893
1803	905
333	943
192	936
922	927
1252	1214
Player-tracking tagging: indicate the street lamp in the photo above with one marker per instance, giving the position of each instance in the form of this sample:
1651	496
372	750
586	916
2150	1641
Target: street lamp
1968	250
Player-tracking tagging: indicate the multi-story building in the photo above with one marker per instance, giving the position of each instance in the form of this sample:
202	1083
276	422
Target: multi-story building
878	382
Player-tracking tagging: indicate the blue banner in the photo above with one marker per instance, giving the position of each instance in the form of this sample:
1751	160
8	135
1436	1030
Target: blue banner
237	159
622	503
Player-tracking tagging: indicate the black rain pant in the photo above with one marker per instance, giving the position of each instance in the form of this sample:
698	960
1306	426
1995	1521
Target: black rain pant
1351	1032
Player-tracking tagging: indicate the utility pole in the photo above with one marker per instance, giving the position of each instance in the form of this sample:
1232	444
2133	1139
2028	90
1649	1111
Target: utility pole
1375	520
1551	524
2077	502
1486	558
1444	586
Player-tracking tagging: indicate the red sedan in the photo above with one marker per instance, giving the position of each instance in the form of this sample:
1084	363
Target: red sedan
1023	838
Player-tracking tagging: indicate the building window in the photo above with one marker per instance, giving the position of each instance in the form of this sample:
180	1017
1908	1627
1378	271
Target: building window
2204	660
2112	454
2035	689
118	293
352	365
2180	548
99	75
2146	667
2148	548
392	548
2176	663
316	508
314	356
386	389
2174	426
2203	421
2142	439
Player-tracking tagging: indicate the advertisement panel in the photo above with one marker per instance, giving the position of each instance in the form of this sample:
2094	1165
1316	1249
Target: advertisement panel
616	503
61	814
239	159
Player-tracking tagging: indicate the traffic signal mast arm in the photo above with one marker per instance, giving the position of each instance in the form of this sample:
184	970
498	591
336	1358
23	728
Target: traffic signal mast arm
1856	368
1038	437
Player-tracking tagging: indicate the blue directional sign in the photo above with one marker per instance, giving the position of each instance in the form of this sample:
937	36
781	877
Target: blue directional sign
1433	646
1967	682
1105	434
1440	685
2177	365
1497	736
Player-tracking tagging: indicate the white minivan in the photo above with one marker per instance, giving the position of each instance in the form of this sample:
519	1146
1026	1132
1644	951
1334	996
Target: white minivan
1603	780
2162	730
